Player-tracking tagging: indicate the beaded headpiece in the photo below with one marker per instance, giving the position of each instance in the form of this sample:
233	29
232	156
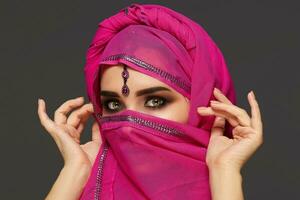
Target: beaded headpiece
125	75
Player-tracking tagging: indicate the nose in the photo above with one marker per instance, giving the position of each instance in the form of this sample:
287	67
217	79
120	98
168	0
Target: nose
132	107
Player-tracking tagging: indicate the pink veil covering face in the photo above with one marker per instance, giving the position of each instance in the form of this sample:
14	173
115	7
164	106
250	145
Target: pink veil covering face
143	156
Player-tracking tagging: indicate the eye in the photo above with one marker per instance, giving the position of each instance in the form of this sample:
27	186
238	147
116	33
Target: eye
112	105
155	102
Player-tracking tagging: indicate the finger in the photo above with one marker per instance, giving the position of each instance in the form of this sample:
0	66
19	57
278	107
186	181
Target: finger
205	111
255	112
46	122
60	114
80	116
73	132
218	126
220	96
96	132
241	115
80	129
242	131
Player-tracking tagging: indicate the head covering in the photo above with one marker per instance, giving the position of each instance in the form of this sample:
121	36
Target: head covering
144	156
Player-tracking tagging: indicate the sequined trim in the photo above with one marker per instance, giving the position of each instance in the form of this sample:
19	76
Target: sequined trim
149	67
99	177
126	11
162	128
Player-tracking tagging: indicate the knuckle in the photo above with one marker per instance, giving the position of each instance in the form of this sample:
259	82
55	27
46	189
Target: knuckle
239	114
77	113
69	101
88	107
67	105
244	112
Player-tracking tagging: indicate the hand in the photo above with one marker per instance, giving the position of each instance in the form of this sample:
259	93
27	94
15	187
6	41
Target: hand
66	131
247	133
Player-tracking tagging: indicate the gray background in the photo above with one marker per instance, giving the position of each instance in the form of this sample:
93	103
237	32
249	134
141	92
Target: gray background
43	46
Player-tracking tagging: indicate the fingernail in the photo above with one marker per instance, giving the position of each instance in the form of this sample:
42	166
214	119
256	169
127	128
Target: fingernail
216	90
252	93
214	102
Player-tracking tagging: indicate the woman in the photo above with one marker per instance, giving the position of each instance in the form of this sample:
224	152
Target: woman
166	124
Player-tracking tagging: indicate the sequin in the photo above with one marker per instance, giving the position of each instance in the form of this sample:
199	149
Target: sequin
98	189
174	79
126	10
171	131
143	122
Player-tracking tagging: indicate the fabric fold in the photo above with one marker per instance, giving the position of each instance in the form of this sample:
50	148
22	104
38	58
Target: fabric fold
144	156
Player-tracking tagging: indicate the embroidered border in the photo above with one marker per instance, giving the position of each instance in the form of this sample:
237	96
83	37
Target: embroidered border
182	84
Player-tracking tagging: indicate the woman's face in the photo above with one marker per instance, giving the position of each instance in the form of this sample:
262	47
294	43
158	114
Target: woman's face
147	95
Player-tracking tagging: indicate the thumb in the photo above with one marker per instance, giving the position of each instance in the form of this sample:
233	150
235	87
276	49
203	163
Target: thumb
218	126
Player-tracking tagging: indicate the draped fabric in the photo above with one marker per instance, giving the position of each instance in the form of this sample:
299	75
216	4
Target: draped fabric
144	156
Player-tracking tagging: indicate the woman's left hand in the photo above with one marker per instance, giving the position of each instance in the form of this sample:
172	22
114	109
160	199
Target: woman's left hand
247	133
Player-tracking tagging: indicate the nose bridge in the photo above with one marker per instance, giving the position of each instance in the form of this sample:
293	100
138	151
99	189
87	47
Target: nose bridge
130	103
132	107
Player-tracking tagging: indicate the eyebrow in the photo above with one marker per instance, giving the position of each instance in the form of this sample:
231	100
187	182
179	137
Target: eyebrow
138	93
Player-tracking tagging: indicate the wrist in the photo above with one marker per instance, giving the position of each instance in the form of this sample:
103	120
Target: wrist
79	172
225	183
224	166
225	173
70	182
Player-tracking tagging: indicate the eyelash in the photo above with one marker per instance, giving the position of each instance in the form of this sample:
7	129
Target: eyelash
164	103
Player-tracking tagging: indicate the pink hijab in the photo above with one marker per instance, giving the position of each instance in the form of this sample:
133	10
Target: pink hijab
143	156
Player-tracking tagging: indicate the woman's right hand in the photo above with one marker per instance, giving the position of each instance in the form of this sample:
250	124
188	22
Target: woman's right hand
66	131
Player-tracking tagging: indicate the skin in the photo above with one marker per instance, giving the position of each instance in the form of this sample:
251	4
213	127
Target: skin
176	110
225	157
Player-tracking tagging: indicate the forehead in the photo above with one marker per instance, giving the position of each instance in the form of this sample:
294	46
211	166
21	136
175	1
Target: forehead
111	79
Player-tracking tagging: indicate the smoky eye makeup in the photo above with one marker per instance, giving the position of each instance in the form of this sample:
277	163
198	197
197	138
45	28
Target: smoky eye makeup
150	102
111	105
155	102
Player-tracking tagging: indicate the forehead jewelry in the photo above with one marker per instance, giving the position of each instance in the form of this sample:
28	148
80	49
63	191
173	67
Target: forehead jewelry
125	75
